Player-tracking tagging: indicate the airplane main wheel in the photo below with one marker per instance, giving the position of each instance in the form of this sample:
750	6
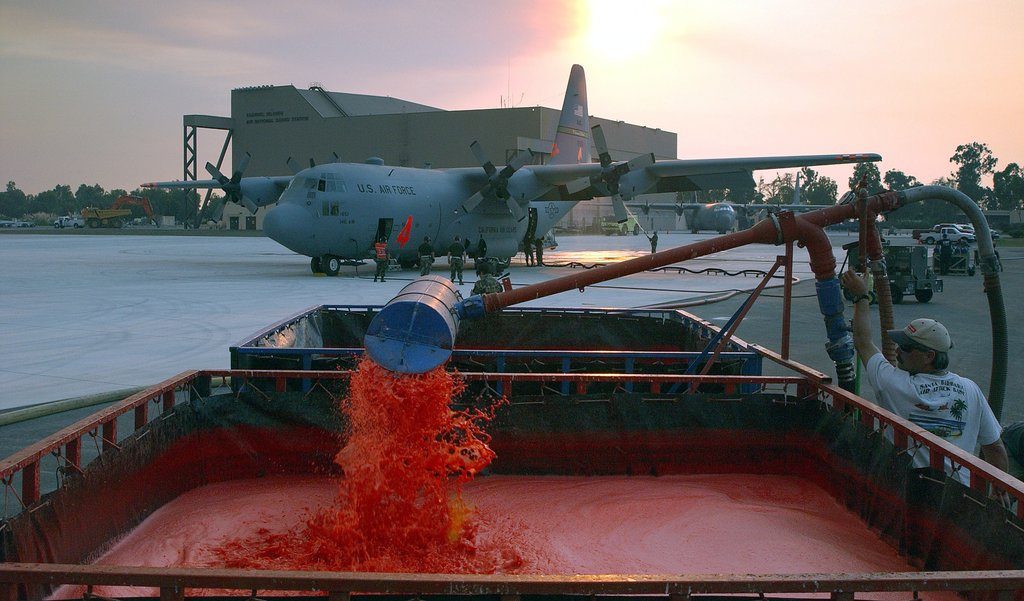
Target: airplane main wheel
314	265
331	265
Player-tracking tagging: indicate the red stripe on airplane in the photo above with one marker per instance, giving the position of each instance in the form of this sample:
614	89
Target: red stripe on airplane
403	236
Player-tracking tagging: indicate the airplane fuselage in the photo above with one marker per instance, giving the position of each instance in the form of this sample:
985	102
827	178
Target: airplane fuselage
719	217
340	209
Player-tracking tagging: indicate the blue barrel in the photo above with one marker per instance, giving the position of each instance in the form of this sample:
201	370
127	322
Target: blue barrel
415	331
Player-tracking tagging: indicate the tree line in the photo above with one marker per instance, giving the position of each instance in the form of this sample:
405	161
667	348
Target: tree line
42	208
972	162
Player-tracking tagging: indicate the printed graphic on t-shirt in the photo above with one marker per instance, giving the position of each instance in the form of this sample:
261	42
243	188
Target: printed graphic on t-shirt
938	424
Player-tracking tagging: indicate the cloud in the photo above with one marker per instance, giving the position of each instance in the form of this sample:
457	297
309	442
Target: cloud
42	35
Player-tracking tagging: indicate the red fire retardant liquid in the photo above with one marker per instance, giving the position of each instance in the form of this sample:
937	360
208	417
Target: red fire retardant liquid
399	507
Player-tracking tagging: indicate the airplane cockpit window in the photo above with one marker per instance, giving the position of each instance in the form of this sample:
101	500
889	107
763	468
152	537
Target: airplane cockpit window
324	209
321	186
334	208
302	182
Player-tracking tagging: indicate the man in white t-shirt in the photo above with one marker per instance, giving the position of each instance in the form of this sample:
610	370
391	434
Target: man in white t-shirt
920	388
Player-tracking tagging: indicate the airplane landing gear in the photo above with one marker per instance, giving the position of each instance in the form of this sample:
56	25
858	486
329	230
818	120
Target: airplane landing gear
331	265
314	265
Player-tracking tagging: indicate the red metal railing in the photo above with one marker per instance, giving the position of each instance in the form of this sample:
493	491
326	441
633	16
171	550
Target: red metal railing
67	443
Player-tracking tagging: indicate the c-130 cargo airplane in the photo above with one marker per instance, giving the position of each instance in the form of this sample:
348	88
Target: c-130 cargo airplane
335	212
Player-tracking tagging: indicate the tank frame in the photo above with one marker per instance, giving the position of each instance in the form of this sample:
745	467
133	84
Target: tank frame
110	427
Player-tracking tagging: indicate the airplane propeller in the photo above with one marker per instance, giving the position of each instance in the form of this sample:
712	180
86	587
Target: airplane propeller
231	187
607	182
497	181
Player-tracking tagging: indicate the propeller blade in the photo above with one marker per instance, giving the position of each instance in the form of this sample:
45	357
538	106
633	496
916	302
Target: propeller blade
522	158
619	208
237	175
602	146
216	174
473	201
577	185
481	157
517	211
293	165
640	162
253	207
218	210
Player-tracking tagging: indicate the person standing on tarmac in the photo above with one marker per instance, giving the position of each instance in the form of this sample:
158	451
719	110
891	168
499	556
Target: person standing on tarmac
920	388
945	254
540	250
654	242
528	249
456	257
481	248
380	256
426	252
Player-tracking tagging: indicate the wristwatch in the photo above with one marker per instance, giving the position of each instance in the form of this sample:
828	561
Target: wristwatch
857	299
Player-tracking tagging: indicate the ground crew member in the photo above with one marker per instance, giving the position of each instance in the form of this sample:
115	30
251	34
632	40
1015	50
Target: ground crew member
540	250
945	254
426	251
481	248
654	242
920	388
528	249
487	284
380	256
456	257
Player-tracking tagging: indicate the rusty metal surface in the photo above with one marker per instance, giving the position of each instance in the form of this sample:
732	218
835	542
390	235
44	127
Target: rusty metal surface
476	584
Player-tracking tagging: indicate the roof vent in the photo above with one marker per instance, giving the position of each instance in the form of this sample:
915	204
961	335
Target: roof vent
374	161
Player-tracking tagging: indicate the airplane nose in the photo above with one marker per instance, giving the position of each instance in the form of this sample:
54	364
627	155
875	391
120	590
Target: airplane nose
291	226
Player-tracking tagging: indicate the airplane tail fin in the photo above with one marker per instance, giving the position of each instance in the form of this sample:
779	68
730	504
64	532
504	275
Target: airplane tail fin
572	139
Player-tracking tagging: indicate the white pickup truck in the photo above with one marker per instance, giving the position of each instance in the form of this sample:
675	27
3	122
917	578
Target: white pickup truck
954	234
64	221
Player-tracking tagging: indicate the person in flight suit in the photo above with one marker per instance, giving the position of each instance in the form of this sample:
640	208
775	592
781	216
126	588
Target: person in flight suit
426	251
540	250
528	249
456	257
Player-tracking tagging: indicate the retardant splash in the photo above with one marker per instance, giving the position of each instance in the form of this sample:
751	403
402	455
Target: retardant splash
399	507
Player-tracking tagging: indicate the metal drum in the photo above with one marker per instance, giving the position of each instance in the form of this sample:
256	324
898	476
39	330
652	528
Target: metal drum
416	330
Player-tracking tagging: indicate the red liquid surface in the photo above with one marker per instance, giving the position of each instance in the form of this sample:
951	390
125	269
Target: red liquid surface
732	523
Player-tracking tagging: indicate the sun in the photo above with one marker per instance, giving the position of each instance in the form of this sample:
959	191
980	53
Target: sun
618	33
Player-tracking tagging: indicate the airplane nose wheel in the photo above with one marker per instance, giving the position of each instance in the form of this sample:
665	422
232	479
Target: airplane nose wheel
314	265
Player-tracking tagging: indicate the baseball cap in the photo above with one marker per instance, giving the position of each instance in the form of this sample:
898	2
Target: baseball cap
925	332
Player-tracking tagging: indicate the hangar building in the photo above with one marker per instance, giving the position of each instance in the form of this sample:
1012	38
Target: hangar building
273	123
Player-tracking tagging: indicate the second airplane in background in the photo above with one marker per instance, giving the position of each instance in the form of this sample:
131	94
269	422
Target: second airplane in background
335	212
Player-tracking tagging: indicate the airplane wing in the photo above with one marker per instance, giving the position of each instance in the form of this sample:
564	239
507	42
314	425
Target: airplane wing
676	175
253	192
280	181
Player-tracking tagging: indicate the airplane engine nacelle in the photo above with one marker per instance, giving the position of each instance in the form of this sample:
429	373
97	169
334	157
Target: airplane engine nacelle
262	191
636	182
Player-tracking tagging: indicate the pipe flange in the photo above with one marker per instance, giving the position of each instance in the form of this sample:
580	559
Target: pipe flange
785	224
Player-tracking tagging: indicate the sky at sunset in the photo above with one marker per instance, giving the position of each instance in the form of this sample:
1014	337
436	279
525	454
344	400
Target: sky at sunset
94	92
